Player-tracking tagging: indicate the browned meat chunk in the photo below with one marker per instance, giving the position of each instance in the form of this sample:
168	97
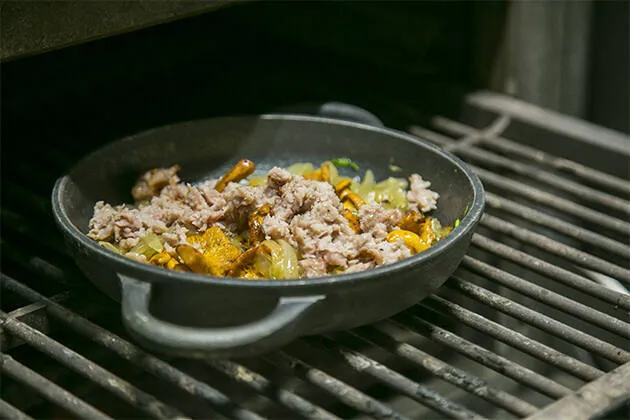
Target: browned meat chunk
151	182
420	196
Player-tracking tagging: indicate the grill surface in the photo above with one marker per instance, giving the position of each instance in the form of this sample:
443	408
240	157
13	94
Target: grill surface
535	323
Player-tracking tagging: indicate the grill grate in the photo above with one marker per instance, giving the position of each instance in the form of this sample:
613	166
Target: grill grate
524	323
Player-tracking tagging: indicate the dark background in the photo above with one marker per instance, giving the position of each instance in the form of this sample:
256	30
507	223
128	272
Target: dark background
402	60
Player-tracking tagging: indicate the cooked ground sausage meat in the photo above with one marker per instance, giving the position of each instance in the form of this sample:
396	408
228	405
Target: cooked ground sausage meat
299	210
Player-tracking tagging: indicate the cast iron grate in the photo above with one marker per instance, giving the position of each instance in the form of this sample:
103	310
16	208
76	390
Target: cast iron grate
534	324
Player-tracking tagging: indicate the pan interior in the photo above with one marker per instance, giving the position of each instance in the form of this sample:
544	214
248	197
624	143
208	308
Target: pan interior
207	148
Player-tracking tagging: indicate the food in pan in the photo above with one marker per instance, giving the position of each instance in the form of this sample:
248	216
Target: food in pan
289	223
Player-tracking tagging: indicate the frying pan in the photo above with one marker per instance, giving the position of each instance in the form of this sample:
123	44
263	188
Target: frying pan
193	315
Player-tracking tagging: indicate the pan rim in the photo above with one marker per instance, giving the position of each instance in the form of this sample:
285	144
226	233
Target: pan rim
158	274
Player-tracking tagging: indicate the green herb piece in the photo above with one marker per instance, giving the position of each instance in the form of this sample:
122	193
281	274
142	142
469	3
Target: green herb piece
344	163
456	223
395	168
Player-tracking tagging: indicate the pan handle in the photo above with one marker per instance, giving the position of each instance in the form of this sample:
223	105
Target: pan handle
171	338
336	110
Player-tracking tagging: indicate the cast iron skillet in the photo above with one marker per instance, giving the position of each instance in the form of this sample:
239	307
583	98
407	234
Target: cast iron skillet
193	315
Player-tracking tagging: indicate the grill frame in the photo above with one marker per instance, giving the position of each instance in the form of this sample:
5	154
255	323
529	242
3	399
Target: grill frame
601	386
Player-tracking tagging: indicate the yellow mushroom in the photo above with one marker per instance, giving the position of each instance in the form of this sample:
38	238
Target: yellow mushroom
325	173
412	221
342	185
347	205
427	232
161	259
218	252
320	174
411	240
243	266
256	234
164	259
241	170
352	197
353	220
193	259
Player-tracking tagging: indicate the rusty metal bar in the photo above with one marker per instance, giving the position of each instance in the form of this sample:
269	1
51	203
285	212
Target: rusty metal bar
553	201
591	399
548	297
335	387
557	248
534	194
496	128
8	412
505	145
277	393
616	299
89	369
378	336
543	322
22	225
398	382
130	352
50	390
479	354
513	338
538	217
493	160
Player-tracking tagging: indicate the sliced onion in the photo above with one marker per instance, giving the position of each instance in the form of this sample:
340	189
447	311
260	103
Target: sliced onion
279	262
300	168
111	247
149	245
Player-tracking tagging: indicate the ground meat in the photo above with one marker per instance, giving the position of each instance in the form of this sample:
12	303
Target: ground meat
176	207
306	213
151	182
378	220
241	201
174	236
420	197
277	177
309	216
313	266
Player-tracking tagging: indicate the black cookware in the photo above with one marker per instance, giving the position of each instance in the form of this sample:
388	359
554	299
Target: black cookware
193	315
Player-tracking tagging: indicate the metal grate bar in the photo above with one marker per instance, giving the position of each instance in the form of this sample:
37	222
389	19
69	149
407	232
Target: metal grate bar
333	386
513	338
592	398
26	198
497	127
554	272
378	336
130	352
553	201
481	355
557	248
543	219
584	192
7	411
560	249
284	397
23	226
480	146
396	381
50	390
553	299
509	146
89	369
531	193
543	322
